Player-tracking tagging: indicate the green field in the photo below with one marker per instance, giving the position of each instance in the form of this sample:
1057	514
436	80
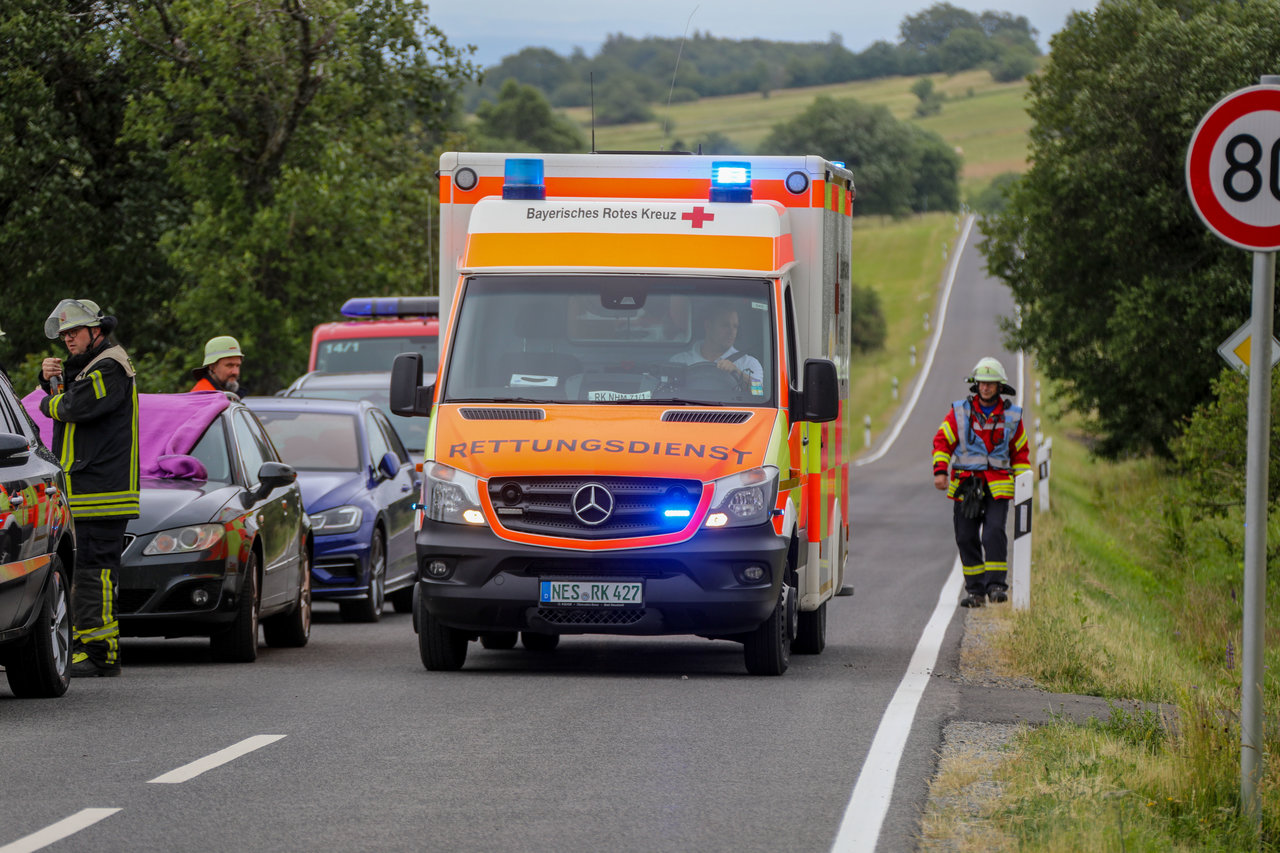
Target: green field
986	121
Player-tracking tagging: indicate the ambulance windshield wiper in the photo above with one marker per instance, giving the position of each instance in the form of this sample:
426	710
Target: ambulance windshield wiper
666	401
496	400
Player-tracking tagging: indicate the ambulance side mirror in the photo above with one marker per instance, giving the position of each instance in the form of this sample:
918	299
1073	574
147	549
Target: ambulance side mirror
820	396
409	396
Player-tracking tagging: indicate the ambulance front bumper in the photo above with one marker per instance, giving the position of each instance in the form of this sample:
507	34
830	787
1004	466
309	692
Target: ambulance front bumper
703	586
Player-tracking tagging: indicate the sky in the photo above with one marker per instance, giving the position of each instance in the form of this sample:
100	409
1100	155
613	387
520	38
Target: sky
501	27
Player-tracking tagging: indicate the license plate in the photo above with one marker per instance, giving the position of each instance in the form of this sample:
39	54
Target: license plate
620	594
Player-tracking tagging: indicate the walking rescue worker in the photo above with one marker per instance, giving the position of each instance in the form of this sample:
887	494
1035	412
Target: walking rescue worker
93	403
221	368
983	441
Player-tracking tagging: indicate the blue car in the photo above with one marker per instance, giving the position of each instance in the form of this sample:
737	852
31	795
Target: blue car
359	487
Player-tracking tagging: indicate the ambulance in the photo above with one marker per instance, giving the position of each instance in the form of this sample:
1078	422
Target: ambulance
640	419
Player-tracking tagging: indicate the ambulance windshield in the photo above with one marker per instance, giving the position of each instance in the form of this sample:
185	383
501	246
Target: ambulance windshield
614	339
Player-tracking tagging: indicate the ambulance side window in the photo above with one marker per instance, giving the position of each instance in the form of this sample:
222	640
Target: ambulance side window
793	364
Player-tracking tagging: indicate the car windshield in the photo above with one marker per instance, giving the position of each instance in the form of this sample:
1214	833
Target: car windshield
211	450
613	339
314	441
362	354
412	431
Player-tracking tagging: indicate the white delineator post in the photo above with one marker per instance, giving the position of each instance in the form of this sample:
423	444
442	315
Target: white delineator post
1020	567
1044	453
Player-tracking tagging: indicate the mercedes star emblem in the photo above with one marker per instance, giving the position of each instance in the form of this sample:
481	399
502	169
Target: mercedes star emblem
593	504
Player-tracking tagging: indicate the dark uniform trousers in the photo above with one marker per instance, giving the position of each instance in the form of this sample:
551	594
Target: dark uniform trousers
99	544
984	545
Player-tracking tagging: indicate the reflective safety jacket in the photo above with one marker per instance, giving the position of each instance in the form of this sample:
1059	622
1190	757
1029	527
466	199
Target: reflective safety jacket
95	434
974	444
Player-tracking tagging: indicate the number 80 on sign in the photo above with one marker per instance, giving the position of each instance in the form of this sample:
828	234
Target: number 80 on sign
1233	168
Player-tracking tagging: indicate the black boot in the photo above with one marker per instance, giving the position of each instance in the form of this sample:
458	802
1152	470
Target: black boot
971	600
997	593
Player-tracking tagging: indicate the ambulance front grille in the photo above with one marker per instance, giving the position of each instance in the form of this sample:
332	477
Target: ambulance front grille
544	505
705	417
591	615
495	414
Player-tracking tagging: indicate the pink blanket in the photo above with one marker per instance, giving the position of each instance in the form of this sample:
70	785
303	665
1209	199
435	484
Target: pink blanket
169	425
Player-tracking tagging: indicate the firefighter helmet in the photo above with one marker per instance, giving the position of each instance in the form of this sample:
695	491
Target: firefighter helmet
990	370
72	314
223	346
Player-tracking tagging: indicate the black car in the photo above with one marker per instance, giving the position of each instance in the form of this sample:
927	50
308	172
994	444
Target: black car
37	554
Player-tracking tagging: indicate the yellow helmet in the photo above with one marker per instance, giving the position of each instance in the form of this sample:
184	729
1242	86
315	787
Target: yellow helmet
988	370
72	314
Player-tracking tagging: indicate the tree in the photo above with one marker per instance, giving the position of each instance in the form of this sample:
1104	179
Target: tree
886	156
930	28
621	102
930	99
962	50
1125	294
522	120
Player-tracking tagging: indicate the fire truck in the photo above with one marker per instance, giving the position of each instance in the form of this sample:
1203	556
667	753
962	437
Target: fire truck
377	328
640	418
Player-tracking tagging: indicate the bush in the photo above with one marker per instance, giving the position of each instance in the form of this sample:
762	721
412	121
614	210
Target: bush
869	329
1212	449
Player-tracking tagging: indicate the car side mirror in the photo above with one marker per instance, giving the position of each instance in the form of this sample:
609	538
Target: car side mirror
409	397
820	396
12	445
388	465
272	476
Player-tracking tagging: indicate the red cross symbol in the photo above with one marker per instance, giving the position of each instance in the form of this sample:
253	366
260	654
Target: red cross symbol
698	216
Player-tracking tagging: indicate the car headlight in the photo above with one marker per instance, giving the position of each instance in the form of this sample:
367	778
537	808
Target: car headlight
342	519
451	495
184	540
744	499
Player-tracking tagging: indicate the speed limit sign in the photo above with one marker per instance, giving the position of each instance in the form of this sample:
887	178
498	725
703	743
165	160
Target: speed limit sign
1233	168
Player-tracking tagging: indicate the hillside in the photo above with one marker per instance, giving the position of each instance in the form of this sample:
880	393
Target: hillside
985	120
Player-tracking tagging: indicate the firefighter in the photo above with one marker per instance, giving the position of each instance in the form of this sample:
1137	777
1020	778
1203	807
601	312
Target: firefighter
221	368
93	403
983	441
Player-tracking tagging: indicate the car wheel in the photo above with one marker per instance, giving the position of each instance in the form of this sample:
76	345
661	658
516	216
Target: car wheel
440	647
498	640
767	649
41	665
536	642
239	642
369	609
293	629
811	636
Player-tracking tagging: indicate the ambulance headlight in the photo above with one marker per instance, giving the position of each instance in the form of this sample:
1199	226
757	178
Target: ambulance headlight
744	499
450	495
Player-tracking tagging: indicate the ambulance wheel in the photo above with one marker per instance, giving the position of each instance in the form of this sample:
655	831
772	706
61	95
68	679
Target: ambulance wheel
811	636
767	649
499	639
536	642
441	648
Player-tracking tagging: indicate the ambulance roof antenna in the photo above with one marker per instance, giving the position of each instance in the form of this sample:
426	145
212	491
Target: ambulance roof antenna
591	82
671	91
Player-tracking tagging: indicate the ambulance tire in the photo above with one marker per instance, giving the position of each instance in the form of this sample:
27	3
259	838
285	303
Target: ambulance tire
811	636
767	649
442	649
536	642
499	639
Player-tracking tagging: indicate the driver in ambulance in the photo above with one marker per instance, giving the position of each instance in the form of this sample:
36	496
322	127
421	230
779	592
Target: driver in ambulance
720	330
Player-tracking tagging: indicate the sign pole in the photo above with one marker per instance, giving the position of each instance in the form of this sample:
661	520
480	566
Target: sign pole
1255	531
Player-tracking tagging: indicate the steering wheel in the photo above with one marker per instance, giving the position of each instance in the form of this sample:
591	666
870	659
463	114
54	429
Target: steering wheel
706	376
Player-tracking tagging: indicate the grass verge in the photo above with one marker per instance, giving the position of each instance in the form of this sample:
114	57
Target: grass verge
1135	595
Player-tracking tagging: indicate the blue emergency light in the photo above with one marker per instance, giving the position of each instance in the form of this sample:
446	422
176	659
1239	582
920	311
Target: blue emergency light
677	513
522	180
730	181
391	306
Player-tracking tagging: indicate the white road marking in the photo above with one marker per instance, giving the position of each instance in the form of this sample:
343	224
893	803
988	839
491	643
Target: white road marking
864	815
58	831
905	415
217	759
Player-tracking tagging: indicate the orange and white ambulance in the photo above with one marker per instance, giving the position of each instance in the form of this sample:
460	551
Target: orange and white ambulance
640	418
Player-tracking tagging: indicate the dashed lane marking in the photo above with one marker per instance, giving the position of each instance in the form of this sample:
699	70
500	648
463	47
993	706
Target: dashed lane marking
217	759
58	831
